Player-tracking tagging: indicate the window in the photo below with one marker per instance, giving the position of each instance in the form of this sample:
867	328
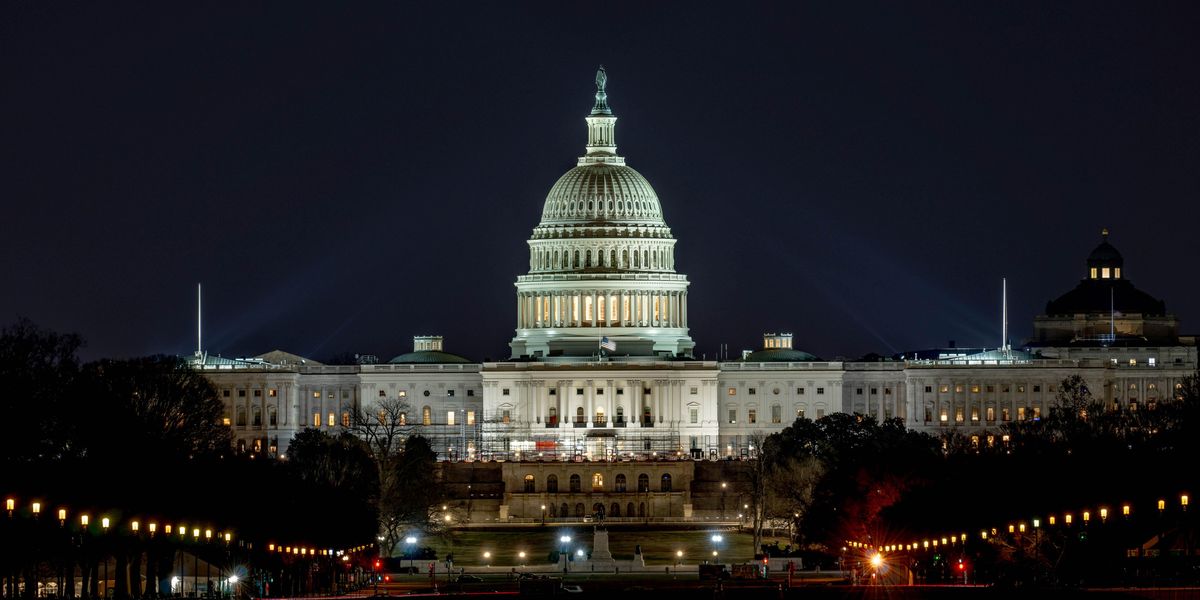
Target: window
820	413
345	419
799	413
552	484
975	389
226	421
402	394
506	416
425	393
258	393
777	414
775	391
1037	412
382	394
1092	272
991	413
316	419
958	388
1151	361
449	393
404	418
225	393
991	388
426	416
1037	388
944	388
1104	273
752	391
575	484
242	394
820	391
874	391
256	416
578	391
643	483
597	482
1021	413
693	415
332	420
929	389
1133	362
620	484
1020	389
666	482
752	416
858	392
958	414
943	417
315	394
530	486
449	417
800	391
928	413
974	415
695	391
1004	416
733	415
504	392
470	392
731	391
620	391
470	417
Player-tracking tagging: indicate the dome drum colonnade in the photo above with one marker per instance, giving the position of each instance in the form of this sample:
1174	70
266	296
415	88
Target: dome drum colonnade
601	257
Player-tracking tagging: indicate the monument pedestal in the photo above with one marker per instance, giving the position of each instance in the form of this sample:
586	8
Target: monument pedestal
601	556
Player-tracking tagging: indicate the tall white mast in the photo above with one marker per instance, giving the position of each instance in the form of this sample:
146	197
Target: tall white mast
1004	316
199	346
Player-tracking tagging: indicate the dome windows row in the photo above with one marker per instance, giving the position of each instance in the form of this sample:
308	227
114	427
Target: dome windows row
619	208
655	259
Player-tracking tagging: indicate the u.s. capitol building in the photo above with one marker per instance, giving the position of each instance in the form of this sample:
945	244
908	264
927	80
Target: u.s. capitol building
601	267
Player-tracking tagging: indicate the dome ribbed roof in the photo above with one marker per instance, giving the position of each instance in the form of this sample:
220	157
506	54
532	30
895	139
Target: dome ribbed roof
779	355
428	357
602	192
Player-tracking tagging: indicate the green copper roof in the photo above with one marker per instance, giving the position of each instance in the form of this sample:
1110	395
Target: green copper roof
429	357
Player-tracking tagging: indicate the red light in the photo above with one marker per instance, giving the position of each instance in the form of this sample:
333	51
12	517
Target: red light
962	567
377	564
387	577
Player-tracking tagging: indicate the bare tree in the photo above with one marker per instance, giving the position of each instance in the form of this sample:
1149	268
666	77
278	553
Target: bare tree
384	426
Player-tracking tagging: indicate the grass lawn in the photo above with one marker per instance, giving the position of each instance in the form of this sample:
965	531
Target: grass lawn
658	547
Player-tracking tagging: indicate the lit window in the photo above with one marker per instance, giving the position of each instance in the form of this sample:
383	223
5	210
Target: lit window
752	415
1104	273
991	413
506	416
1020	413
1133	362
733	415
731	391
226	421
799	413
345	419
1037	412
332	420
426	416
272	392
1093	272
974	389
449	417
316	394
1152	361
402	394
470	417
945	388
974	415
958	389
958	414
316	419
944	417
1116	272
1020	389
776	414
1004	416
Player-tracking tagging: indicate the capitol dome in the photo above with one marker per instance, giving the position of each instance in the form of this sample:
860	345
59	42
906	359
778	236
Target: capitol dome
601	261
602	192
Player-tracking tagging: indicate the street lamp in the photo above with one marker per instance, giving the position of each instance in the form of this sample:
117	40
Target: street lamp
487	557
104	523
566	539
521	555
543	514
716	540
409	541
62	517
10	504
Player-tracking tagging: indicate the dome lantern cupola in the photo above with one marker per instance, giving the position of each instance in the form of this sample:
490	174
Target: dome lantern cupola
602	125
1105	262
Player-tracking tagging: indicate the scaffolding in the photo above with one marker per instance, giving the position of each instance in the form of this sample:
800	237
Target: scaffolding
504	438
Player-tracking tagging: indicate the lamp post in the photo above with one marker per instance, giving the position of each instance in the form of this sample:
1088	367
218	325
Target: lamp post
104	524
409	541
543	514
716	540
566	539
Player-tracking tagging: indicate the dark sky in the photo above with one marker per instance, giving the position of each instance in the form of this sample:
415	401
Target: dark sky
343	176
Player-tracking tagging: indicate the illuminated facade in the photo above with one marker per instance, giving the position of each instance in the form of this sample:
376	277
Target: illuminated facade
602	266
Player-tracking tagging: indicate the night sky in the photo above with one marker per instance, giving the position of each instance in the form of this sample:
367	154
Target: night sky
344	176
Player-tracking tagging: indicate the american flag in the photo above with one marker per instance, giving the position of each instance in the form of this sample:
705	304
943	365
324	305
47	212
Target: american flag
608	344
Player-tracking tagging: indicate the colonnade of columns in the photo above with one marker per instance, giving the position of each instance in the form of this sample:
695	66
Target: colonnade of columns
601	308
558	403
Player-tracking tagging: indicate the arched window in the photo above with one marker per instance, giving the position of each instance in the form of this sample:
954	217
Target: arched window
576	259
629	509
426	416
553	418
553	511
615	511
563	511
552	484
587	258
529	485
666	482
612	259
579	510
256	416
620	414
579	415
598	510
642	509
643	483
597	482
272	416
620	487
241	417
636	260
575	486
625	258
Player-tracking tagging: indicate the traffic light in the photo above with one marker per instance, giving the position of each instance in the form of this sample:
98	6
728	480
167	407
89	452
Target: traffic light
378	563
387	578
962	566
